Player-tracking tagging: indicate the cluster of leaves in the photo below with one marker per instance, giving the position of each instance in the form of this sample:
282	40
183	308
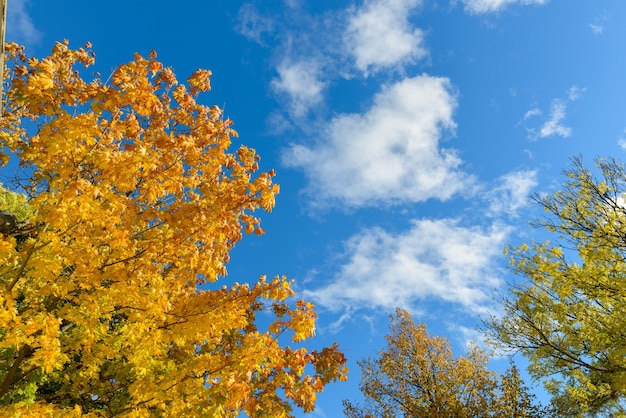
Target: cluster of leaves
15	203
418	376
567	316
110	307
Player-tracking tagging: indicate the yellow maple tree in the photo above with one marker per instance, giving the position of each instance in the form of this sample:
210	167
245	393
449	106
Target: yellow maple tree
110	305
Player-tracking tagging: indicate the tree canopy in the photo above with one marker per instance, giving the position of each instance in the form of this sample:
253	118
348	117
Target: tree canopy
417	376
110	301
567	314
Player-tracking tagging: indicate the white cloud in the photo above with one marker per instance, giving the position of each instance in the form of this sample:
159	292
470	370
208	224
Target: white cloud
621	140
554	126
434	260
574	93
389	154
252	24
300	82
489	6
596	29
597	26
510	192
532	113
20	27
469	337
379	35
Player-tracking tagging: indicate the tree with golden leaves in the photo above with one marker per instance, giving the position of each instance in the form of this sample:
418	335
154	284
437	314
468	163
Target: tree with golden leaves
417	376
110	302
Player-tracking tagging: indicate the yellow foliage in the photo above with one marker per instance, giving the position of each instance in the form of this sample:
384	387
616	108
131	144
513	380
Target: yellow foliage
567	315
109	306
416	375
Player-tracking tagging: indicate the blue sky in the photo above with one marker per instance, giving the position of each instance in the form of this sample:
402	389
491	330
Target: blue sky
406	135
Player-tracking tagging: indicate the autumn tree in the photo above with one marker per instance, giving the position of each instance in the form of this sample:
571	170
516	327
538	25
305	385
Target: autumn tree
417	376
567	314
110	303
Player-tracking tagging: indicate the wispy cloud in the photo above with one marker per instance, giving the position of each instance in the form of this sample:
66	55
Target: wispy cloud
253	25
490	6
437	260
299	82
574	93
379	35
598	24
303	53
532	113
621	140
469	337
510	192
554	125
596	28
389	154
312	51
20	26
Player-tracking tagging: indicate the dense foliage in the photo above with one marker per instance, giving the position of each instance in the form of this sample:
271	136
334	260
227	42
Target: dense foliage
109	301
567	316
417	376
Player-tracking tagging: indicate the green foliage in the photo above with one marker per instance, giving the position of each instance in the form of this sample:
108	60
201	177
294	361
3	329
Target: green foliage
16	203
567	316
